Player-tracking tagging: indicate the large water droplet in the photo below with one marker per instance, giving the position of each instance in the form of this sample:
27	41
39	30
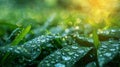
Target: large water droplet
70	53
58	52
17	51
113	30
48	64
43	40
108	54
59	65
66	58
74	47
104	46
66	49
80	51
112	49
10	49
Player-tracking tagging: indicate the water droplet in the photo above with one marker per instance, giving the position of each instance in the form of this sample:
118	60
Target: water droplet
70	53
74	47
10	48
113	30
58	52
52	55
91	56
43	40
59	65
33	46
108	54
107	32
38	49
48	64
104	46
76	55
46	61
100	55
19	48
52	61
77	27
67	30
80	51
17	51
66	49
66	58
112	49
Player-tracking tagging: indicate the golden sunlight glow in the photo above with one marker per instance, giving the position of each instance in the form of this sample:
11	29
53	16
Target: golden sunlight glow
97	10
101	9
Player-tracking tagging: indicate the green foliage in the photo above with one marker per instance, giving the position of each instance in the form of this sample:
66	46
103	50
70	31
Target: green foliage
107	52
16	41
56	37
20	36
96	39
65	57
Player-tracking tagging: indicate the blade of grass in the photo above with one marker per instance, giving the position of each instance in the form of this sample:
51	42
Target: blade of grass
96	44
21	36
96	39
16	41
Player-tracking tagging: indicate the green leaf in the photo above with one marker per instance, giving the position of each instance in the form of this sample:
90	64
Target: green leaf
96	39
65	57
83	41
16	41
29	50
21	36
107	52
109	33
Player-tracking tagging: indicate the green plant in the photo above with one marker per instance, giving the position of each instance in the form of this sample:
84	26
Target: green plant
64	39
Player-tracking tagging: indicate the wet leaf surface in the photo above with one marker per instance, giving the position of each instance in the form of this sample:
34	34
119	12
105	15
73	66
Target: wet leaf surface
65	57
107	52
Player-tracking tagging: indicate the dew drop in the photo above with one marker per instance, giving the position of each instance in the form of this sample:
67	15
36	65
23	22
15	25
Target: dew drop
76	55
10	48
17	51
66	58
104	46
70	53
66	49
43	40
112	49
19	48
58	52
59	65
113	30
52	61
74	47
108	54
80	51
48	64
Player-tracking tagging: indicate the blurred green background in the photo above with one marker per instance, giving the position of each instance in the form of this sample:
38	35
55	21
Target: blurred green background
54	16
